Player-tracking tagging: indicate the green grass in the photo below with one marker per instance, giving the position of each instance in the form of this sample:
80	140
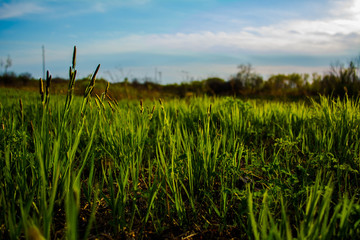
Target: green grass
85	167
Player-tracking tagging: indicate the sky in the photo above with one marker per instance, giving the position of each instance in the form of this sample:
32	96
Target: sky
173	41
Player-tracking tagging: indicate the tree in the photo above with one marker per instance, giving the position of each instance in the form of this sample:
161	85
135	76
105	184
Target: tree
277	84
315	86
8	63
342	80
1	63
24	78
215	85
296	80
246	79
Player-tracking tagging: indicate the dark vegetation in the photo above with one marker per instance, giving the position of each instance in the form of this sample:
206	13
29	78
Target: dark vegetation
339	81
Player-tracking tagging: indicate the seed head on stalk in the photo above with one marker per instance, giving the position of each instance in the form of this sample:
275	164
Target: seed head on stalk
91	85
74	58
161	104
21	108
48	80
108	96
41	87
72	75
153	109
111	106
103	95
107	88
72	71
141	106
116	103
100	101
152	112
94	76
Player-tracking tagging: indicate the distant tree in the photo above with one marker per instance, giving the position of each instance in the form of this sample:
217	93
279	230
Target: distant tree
135	82
342	80
296	80
1	63
277	84
245	79
9	78
24	78
8	63
194	87
215	85
315	86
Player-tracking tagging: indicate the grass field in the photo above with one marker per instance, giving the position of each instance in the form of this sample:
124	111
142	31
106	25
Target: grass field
91	167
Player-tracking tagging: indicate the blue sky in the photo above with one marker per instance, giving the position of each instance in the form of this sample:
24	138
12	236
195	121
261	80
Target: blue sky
184	40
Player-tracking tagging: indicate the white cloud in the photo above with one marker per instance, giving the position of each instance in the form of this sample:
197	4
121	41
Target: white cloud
346	9
339	33
12	10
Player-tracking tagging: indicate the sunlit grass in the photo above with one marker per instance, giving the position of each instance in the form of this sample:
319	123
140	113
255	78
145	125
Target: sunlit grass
80	167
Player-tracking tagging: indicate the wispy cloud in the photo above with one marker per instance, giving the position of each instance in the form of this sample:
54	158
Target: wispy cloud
335	34
12	10
104	6
22	8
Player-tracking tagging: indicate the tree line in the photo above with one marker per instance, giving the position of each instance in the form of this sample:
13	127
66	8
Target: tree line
340	80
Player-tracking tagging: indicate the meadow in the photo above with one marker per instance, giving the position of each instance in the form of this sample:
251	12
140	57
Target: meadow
93	167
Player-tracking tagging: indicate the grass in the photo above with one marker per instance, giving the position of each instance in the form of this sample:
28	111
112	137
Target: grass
91	167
